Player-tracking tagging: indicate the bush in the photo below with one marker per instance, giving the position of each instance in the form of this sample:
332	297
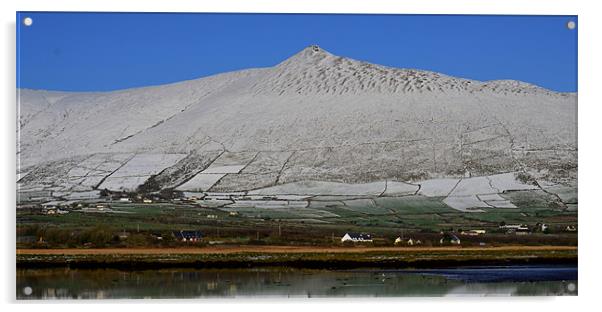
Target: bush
137	240
98	236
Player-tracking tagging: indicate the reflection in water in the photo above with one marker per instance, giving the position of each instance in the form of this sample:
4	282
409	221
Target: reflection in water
285	282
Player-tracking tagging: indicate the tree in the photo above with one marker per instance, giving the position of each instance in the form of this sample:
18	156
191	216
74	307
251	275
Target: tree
137	240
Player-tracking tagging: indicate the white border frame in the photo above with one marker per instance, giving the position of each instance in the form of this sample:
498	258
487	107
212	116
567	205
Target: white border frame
589	157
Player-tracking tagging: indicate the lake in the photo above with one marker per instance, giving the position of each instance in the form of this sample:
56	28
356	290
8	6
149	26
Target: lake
67	283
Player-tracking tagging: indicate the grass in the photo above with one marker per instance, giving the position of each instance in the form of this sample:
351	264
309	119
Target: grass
414	205
296	257
535	199
387	217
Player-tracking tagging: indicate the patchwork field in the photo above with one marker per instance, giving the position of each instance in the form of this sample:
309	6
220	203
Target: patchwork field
319	220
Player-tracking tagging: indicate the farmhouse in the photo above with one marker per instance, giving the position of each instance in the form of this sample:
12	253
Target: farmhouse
571	228
542	227
188	236
449	238
409	242
412	242
356	237
473	232
50	205
516	228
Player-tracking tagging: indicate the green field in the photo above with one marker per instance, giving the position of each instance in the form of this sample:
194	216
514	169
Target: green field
323	220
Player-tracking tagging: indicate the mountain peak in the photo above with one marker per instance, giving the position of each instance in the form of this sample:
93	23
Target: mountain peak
311	55
312	51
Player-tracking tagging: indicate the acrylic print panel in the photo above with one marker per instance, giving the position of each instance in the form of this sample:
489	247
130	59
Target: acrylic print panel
295	155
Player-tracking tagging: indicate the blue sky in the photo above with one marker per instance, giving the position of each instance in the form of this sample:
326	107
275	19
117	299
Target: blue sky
109	51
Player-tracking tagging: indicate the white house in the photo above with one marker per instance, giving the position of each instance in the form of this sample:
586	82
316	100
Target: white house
409	242
571	228
356	237
449	238
473	232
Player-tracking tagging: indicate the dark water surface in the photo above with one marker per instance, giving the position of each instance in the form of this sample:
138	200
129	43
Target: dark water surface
284	282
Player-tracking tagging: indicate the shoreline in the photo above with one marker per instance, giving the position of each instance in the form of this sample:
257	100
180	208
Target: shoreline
294	257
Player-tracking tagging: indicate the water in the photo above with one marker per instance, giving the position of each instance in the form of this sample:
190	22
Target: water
285	282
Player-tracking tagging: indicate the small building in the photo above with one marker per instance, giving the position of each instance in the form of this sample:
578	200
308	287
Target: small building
49	205
410	241
516	228
449	238
123	235
188	236
356	237
571	228
473	232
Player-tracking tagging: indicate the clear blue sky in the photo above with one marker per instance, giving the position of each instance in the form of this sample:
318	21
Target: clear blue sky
108	51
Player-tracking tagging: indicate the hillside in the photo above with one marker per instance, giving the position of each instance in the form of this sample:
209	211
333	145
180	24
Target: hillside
314	123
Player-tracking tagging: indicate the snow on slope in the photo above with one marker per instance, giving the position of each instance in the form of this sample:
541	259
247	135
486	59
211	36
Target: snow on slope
313	117
138	169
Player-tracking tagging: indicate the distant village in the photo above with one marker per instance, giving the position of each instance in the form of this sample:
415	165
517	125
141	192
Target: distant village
40	203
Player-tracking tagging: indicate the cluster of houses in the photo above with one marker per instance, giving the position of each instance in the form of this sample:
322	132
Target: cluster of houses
55	211
410	241
356	238
140	199
57	207
446	239
188	236
472	232
522	229
449	238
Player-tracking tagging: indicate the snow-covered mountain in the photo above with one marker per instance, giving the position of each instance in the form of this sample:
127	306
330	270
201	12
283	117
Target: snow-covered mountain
313	117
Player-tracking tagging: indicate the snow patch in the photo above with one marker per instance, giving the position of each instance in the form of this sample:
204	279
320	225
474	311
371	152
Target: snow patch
201	182
437	187
399	189
323	188
468	203
508	182
224	169
473	186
